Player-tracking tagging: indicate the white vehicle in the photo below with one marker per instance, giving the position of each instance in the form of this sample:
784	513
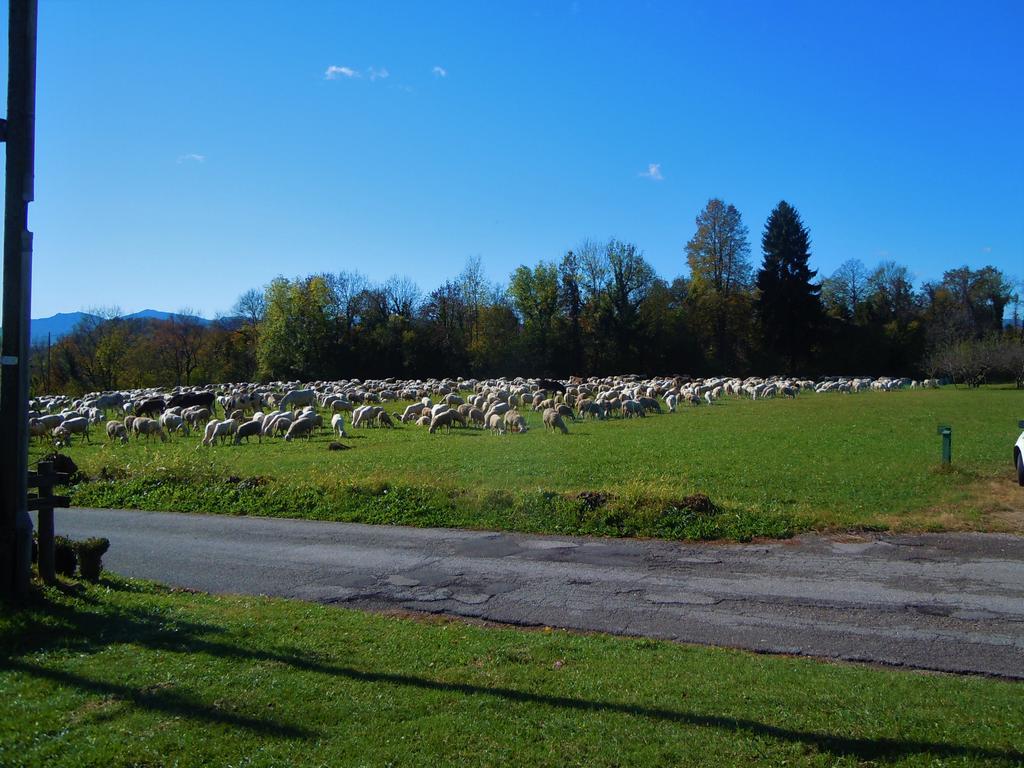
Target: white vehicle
1018	454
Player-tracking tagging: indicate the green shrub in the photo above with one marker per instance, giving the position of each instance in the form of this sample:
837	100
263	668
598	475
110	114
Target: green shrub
65	558
90	557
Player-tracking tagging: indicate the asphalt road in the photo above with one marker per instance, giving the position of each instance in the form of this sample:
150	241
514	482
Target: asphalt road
952	602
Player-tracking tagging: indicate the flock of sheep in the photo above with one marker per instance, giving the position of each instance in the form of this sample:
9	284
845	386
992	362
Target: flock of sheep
294	409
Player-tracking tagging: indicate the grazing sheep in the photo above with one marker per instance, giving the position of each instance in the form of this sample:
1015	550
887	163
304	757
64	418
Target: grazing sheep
496	423
148	427
412	412
338	425
37	428
553	421
475	415
632	408
445	419
248	429
649	404
384	420
515	421
116	431
172	422
565	411
298	397
365	415
195	416
221	429
192	400
154	406
78	425
299	428
671	400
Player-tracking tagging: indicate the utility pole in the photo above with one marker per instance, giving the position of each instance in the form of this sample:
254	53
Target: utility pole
19	134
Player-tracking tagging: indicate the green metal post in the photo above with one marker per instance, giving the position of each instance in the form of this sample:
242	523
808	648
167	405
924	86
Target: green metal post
947	443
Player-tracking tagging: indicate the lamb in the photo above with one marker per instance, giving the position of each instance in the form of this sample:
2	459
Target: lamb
116	431
383	419
671	400
338	425
148	427
299	428
445	419
553	421
248	429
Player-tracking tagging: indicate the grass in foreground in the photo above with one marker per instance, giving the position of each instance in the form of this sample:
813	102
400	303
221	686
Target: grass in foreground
867	461
129	673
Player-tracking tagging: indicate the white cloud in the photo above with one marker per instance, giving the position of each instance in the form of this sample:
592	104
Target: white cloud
440	71
987	249
333	72
191	157
653	172
377	74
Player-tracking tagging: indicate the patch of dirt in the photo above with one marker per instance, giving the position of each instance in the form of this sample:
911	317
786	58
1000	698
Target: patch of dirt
993	504
1001	502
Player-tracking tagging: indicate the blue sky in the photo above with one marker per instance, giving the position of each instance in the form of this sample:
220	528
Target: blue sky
188	151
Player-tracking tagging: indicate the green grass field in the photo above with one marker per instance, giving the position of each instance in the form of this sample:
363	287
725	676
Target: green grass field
126	673
866	461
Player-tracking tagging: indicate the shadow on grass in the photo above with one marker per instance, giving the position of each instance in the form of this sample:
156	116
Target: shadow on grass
87	631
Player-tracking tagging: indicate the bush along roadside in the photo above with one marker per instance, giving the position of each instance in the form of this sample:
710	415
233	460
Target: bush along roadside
68	555
693	517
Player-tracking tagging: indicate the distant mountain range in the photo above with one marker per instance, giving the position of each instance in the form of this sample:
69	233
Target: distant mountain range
63	323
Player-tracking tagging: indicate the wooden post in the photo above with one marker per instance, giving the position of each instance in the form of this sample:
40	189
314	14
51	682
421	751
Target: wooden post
19	133
47	570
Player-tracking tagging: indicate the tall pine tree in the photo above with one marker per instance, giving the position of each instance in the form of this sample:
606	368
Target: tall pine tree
788	302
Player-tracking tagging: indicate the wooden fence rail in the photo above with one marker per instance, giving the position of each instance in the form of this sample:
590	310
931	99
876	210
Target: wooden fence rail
44	502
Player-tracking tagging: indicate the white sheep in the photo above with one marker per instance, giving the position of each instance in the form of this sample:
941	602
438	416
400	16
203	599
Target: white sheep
248	429
116	431
338	425
77	425
299	428
221	429
148	427
553	421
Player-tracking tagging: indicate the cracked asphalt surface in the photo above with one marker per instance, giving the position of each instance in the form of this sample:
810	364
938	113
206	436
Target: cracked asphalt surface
950	602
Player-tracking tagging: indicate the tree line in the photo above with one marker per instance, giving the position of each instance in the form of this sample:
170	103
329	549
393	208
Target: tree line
598	309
